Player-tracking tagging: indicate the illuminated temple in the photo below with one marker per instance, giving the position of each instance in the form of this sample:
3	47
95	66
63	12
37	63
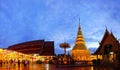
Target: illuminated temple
109	48
80	51
44	49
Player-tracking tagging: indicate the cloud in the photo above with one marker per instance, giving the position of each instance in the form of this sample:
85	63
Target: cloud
57	20
92	44
61	36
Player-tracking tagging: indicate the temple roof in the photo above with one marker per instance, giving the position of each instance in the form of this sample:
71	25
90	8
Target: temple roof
111	38
44	48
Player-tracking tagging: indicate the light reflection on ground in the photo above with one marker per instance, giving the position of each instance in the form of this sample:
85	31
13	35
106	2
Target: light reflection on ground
49	67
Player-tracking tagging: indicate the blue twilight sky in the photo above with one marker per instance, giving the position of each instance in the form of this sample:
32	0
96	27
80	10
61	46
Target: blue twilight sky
57	20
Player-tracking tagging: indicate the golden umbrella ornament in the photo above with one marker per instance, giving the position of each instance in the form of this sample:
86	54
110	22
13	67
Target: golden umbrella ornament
64	45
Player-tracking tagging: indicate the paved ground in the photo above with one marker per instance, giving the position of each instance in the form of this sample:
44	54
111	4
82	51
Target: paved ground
47	67
29	67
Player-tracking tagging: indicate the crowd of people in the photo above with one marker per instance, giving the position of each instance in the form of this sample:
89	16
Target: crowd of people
14	63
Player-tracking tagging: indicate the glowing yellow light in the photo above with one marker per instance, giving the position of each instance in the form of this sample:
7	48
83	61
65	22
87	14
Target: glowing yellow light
47	66
1	50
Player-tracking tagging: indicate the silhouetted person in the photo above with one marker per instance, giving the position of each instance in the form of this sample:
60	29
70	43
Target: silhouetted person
24	62
11	61
18	63
1	63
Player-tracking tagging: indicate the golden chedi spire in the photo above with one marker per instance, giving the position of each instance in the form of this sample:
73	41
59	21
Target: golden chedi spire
80	43
80	51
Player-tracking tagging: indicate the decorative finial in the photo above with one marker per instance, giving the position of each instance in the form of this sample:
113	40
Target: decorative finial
111	30
64	40
79	23
106	26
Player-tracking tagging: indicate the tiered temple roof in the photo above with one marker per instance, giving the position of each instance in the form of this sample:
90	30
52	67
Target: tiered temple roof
108	39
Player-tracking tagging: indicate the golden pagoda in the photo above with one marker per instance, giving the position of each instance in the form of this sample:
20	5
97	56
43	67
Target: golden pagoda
80	51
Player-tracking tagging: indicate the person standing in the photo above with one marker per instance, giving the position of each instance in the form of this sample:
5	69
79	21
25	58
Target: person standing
18	63
1	63
14	62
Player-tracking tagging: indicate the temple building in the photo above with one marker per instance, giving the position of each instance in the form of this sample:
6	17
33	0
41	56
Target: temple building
42	48
109	48
80	51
